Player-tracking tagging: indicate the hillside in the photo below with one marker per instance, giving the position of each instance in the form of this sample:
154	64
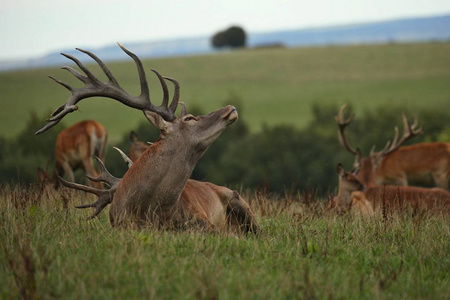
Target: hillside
274	85
409	30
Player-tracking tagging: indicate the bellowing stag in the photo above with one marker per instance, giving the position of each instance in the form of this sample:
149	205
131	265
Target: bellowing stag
149	193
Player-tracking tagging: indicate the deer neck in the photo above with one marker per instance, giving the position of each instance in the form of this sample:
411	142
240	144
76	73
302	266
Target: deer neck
344	195
367	173
155	181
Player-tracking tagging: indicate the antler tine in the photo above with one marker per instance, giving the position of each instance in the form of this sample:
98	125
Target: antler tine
99	205
184	109
409	132
176	94
105	175
145	91
165	102
342	123
125	157
104	196
102	65
81	187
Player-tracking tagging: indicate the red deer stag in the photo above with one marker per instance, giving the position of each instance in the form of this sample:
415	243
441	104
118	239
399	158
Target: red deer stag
395	164
352	191
75	148
149	192
201	200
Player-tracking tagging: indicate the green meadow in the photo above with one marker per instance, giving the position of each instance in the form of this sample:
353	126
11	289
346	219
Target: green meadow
273	86
49	251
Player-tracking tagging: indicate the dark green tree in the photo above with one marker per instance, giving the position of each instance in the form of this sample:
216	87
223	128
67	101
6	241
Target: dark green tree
233	37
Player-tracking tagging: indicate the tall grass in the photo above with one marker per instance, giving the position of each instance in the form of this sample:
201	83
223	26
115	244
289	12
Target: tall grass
48	250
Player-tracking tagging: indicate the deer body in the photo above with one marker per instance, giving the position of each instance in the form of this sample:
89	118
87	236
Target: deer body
415	162
76	147
209	204
352	191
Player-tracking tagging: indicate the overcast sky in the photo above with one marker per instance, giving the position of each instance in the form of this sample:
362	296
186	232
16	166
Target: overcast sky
34	28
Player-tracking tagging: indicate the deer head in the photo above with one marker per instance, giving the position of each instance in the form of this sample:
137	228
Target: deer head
137	147
151	188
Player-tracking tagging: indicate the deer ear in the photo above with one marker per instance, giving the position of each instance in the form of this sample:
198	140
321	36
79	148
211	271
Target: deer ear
133	137
340	169
158	121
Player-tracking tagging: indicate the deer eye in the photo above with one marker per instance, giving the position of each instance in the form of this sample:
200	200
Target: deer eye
189	118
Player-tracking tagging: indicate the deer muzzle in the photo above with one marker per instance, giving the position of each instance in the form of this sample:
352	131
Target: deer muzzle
230	113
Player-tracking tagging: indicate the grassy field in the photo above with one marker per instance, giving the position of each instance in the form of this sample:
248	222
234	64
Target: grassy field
48	250
274	85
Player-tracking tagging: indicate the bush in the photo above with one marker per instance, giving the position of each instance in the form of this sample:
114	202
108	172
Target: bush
233	37
21	156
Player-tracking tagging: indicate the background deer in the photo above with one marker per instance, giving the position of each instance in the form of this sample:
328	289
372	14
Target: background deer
394	164
353	192
75	149
137	147
149	193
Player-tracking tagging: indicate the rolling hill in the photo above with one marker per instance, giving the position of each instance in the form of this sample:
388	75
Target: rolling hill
409	30
268	86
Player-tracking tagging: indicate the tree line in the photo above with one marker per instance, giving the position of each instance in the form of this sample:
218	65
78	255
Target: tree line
279	159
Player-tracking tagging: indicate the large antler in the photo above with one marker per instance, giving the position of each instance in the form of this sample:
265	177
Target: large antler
409	132
93	87
342	123
104	196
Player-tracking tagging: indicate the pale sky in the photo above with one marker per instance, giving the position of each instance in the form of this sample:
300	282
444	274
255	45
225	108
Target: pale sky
35	28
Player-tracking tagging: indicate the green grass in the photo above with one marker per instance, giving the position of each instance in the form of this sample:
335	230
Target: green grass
275	85
48	251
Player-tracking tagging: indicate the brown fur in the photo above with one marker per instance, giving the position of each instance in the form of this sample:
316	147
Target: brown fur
360	205
76	147
208	204
137	147
417	162
396	197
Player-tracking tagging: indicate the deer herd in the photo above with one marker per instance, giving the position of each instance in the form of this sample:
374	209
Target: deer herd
156	190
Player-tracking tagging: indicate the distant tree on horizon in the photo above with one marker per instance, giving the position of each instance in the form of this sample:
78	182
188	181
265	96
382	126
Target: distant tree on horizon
233	37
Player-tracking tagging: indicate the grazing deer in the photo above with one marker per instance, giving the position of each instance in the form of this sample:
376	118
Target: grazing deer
201	200
149	192
394	164
75	148
351	191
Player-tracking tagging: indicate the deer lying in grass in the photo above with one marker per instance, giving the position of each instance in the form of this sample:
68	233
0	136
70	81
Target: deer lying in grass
394	164
75	148
203	200
353	194
149	193
137	147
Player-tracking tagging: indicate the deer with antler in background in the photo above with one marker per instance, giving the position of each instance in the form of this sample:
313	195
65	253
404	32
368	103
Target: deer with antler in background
395	164
354	195
149	192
